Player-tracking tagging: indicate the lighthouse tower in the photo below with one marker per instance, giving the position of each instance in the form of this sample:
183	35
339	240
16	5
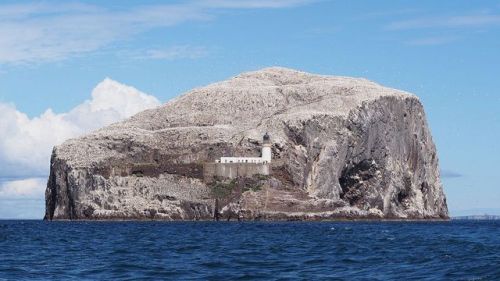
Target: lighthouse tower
266	149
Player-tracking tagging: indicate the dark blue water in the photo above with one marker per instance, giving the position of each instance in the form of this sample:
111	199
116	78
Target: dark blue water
38	250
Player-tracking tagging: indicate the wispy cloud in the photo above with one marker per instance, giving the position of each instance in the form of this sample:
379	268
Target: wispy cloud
450	174
39	32
321	31
254	4
171	53
385	14
19	11
32	188
475	20
431	41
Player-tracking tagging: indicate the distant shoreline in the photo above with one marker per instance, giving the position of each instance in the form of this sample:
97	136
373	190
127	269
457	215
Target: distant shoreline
476	217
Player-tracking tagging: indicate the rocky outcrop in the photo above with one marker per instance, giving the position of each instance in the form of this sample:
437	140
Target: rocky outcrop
343	148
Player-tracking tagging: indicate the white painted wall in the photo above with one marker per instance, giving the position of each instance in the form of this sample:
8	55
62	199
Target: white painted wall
256	160
266	153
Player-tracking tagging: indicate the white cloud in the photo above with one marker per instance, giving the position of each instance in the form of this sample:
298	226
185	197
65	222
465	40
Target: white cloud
171	53
22	198
61	34
473	20
111	102
254	4
432	41
31	188
39	32
18	11
26	144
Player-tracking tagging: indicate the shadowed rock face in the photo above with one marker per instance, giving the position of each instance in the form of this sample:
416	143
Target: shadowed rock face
343	148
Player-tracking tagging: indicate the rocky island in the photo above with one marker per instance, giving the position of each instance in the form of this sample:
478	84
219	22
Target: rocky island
342	148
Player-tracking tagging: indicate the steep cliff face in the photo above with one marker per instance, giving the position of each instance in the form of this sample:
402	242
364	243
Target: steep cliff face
342	148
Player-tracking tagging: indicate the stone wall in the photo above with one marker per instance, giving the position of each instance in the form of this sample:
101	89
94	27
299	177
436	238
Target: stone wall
233	170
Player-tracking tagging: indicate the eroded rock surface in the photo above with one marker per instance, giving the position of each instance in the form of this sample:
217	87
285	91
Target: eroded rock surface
344	148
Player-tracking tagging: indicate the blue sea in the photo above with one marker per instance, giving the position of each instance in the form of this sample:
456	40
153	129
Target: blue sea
456	250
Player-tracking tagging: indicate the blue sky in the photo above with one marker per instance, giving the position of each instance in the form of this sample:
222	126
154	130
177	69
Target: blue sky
53	54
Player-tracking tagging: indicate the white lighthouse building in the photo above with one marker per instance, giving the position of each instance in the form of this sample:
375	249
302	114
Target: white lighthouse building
233	167
266	149
265	157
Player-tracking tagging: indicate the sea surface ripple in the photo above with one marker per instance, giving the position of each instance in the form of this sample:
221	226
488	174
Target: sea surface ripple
456	250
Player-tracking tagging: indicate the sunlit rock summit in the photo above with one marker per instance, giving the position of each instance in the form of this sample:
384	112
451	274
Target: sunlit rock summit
342	148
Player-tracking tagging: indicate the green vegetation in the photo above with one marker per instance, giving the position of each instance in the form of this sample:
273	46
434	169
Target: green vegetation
255	183
261	177
256	187
222	189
